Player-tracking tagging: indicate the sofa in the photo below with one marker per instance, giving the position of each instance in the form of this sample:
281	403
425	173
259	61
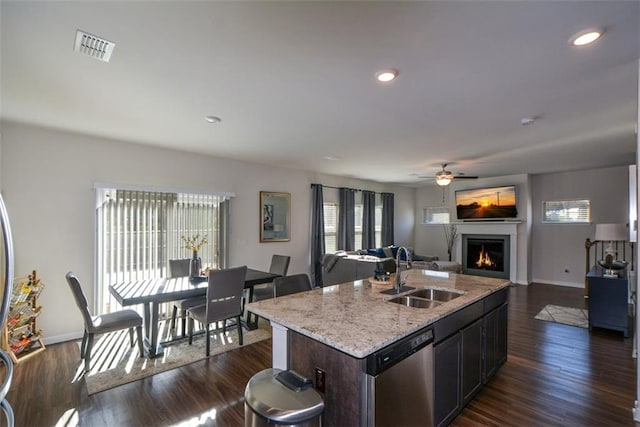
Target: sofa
344	266
347	267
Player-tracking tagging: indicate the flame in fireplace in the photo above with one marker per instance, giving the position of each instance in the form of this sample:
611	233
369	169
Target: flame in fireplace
484	260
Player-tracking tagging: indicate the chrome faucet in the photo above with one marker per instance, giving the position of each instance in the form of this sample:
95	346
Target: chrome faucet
399	281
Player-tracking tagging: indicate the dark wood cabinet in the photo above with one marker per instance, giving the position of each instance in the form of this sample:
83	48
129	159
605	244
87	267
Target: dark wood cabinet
447	376
608	302
495	341
471	358
470	346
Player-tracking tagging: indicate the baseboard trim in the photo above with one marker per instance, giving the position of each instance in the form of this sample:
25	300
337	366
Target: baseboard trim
553	282
62	338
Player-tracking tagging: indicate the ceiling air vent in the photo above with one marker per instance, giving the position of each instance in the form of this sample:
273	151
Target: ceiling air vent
93	46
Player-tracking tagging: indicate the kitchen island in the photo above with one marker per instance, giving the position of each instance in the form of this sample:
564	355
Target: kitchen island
330	335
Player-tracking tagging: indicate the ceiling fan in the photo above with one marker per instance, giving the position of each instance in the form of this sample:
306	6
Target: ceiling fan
444	177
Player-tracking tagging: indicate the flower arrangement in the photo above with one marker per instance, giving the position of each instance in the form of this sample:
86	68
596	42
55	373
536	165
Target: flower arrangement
194	243
450	234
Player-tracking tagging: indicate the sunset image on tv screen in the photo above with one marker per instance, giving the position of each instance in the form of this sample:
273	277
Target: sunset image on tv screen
483	203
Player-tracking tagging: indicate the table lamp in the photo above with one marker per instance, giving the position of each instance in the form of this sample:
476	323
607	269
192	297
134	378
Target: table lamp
611	233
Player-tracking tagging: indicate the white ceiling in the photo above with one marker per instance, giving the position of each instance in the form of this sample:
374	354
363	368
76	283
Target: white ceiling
294	81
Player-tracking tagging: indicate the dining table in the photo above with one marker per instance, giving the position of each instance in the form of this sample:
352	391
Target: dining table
151	293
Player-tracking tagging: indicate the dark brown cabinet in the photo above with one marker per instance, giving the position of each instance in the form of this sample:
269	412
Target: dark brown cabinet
470	346
471	358
608	302
495	341
447	376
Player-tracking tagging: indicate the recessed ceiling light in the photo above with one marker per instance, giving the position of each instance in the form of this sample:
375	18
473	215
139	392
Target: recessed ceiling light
585	37
526	121
332	157
385	76
213	119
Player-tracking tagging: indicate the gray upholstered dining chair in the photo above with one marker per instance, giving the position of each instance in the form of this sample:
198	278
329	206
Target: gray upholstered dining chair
223	301
279	265
291	284
180	268
100	324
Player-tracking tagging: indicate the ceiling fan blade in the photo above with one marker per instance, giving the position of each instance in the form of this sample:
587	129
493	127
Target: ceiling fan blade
465	177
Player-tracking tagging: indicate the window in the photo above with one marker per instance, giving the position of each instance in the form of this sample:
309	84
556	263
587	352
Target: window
378	226
139	231
566	211
357	242
330	227
435	215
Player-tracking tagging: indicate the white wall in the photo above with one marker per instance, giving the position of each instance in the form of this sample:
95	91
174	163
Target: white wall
47	182
556	247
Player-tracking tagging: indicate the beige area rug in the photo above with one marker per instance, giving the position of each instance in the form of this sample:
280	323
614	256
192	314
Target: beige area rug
114	362
565	315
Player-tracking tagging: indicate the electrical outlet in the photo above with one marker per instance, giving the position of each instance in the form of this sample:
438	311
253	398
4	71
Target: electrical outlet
320	380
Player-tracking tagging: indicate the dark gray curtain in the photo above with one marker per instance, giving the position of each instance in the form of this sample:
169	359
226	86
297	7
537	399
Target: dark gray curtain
387	219
368	219
346	219
317	233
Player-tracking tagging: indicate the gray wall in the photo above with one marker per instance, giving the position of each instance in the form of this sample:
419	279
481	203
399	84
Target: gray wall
545	251
48	179
556	247
430	238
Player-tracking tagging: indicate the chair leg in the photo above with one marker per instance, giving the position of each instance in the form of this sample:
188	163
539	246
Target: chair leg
87	353
174	314
239	330
83	346
131	337
190	322
184	321
208	339
140	343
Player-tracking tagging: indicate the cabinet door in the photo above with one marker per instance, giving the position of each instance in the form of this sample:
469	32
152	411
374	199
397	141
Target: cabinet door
495	340
501	337
608	303
471	360
447	379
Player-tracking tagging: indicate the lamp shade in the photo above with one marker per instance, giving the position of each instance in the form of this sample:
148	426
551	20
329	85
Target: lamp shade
611	232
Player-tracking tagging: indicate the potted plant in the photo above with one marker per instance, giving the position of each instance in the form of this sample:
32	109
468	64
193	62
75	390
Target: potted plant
450	234
194	244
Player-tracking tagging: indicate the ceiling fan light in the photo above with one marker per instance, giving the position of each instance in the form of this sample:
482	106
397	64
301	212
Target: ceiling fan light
444	178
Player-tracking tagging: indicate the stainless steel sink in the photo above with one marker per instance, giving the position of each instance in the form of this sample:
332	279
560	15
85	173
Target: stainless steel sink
415	302
435	294
426	298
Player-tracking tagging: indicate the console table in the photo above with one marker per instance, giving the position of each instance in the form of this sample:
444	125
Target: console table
608	301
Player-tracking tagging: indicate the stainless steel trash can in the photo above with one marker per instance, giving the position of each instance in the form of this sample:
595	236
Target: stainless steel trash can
268	401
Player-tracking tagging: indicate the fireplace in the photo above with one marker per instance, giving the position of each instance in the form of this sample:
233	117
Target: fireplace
486	255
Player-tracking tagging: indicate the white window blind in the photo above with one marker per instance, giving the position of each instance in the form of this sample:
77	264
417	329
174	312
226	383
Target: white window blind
566	211
139	231
436	215
378	226
330	227
357	242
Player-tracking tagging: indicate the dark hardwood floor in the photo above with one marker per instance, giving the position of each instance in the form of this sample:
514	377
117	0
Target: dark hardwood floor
555	375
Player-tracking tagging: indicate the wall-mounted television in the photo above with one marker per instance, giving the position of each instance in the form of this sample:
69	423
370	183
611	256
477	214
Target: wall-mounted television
491	203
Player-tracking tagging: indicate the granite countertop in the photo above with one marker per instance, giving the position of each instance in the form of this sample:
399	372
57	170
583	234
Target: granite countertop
354	317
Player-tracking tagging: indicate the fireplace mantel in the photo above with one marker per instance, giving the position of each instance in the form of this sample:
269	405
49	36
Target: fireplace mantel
492	228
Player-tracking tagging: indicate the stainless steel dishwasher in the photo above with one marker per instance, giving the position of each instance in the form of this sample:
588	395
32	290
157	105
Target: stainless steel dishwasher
398	385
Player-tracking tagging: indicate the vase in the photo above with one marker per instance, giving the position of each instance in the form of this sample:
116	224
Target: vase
195	265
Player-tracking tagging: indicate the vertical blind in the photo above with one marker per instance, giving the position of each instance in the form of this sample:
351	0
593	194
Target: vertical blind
139	231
